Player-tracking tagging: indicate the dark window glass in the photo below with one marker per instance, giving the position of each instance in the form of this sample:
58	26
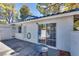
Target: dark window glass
51	34
47	34
19	29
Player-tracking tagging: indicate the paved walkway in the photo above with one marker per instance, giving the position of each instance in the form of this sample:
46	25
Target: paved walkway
5	50
17	47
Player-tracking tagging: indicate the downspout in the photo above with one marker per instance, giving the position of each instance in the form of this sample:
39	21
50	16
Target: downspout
38	31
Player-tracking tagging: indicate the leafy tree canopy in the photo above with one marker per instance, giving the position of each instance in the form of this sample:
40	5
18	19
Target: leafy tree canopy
7	11
24	11
52	8
48	8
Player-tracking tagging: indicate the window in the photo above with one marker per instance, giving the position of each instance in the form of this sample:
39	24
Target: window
76	23
51	34
47	34
20	29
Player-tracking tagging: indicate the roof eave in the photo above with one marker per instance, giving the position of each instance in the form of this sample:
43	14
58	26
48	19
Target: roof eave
49	17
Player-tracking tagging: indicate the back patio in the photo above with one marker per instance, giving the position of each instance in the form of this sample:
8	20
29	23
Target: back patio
55	32
15	47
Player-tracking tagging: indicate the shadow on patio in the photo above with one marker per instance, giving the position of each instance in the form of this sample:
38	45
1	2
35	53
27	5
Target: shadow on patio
17	47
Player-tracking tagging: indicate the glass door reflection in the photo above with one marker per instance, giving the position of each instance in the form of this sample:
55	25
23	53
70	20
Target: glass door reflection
47	34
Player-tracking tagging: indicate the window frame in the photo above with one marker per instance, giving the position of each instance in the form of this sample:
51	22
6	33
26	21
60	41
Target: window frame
20	29
75	19
39	34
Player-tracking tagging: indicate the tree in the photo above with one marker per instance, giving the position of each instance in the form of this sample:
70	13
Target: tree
42	8
52	8
48	8
70	6
24	11
7	11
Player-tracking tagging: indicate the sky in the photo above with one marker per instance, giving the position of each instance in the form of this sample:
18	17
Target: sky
31	6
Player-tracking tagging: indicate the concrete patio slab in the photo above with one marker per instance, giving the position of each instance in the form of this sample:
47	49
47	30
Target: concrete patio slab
21	48
5	50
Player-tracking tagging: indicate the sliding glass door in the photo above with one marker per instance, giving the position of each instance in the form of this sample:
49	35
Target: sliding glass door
47	34
51	34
